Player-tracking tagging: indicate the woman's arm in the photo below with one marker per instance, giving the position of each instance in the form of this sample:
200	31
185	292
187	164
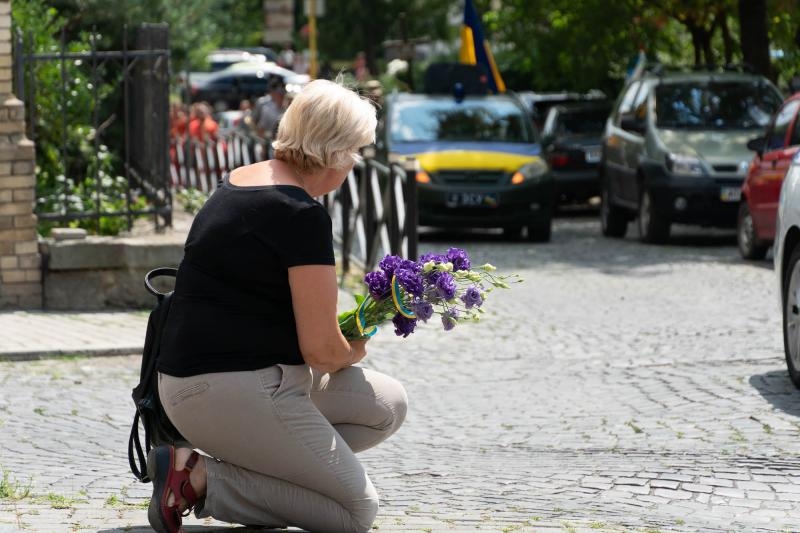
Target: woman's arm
314	295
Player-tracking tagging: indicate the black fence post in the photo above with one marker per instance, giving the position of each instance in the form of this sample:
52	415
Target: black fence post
410	193
149	120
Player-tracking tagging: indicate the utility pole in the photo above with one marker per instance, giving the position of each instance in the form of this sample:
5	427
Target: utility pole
407	50
312	38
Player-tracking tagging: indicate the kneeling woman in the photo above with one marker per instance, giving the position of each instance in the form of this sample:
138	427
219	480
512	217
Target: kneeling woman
254	370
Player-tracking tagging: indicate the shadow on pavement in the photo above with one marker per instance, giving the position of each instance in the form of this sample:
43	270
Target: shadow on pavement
577	241
202	529
776	387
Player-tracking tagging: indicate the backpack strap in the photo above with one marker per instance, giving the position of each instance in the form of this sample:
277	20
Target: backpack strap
137	457
139	469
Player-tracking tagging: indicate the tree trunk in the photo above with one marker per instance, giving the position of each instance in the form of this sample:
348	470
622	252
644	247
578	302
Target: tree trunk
697	43
727	38
754	36
708	52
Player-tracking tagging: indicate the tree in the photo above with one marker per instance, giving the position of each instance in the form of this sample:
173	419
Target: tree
755	36
362	25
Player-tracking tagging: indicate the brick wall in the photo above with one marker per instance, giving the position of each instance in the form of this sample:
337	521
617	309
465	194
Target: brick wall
20	261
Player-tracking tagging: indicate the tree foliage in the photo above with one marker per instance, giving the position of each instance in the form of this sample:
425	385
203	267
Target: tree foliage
578	45
363	25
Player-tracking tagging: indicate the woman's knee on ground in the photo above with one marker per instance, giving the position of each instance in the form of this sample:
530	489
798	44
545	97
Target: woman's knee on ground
393	397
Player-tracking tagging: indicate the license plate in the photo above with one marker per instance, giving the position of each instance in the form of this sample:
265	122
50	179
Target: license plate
592	155
471	199
730	194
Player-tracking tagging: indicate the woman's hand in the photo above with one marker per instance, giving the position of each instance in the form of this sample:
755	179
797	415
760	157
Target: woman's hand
359	349
314	294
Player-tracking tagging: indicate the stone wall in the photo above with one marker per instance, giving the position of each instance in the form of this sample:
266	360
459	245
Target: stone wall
103	273
20	261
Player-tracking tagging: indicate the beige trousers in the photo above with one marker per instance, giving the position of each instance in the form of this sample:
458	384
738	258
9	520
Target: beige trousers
283	441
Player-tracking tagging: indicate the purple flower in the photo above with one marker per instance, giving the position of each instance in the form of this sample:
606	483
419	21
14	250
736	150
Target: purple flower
409	280
403	326
389	264
449	319
459	258
446	286
378	283
472	297
423	310
430	256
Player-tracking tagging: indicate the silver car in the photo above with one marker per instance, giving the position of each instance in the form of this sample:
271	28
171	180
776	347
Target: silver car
787	266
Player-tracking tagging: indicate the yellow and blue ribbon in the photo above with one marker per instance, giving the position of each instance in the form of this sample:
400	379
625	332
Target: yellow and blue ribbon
361	322
397	298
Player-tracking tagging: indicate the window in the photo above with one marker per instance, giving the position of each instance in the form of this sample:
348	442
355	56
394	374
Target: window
471	120
776	137
715	105
794	140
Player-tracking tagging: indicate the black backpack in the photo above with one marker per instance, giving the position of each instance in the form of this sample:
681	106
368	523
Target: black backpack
158	429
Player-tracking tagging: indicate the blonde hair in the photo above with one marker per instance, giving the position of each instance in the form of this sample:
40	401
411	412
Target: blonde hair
323	127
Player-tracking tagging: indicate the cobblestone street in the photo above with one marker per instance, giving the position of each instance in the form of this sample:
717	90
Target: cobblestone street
621	387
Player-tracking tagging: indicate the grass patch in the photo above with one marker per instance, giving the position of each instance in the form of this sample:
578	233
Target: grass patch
12	489
631	424
57	501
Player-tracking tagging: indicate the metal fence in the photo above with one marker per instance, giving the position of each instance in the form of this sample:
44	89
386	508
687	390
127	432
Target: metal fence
100	122
374	212
200	164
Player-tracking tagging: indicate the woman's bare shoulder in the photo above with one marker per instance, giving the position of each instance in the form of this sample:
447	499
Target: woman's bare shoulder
270	172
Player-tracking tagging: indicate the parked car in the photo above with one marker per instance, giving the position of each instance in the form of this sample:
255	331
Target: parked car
787	266
675	149
761	190
225	57
225	89
571	139
480	161
538	104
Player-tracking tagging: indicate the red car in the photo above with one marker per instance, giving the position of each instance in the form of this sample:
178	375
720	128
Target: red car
762	188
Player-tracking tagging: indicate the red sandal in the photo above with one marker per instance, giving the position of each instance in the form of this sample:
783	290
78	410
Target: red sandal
166	480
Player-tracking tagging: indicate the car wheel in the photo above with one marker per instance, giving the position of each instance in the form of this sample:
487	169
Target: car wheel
750	247
613	220
540	233
791	316
652	227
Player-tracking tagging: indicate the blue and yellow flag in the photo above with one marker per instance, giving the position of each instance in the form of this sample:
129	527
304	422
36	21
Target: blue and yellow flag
475	49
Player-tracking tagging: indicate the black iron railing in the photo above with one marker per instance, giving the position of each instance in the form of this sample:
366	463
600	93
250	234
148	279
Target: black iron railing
100	122
375	213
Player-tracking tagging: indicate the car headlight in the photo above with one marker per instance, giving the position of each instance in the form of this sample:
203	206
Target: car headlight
684	164
532	171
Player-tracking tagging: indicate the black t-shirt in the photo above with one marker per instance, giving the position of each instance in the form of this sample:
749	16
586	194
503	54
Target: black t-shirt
232	306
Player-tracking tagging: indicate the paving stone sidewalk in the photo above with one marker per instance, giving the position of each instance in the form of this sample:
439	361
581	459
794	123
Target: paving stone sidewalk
622	387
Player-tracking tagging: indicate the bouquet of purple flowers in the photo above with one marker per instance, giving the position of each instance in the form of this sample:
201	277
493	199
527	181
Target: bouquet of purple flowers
406	291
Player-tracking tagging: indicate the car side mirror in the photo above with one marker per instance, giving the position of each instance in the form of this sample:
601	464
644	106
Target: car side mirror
757	145
629	122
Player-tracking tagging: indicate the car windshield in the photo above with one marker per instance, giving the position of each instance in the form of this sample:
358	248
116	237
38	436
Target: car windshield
581	122
715	105
470	120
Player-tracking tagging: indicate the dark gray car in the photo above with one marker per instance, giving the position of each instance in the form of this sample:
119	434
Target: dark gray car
675	149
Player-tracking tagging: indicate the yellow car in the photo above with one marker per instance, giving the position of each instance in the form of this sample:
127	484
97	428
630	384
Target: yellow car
480	161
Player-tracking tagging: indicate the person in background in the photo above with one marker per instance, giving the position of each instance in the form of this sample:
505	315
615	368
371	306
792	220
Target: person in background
202	125
254	370
360	69
286	56
178	120
269	109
